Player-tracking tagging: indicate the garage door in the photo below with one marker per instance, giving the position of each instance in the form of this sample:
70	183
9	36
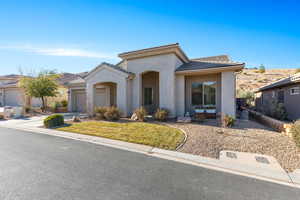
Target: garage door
79	101
13	97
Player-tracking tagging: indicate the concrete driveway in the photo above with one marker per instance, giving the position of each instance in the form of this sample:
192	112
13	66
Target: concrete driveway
36	166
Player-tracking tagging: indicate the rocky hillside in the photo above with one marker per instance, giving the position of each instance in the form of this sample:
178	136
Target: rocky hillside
251	79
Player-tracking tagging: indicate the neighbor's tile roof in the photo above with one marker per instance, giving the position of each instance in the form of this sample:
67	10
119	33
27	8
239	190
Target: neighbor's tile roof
283	82
13	83
208	63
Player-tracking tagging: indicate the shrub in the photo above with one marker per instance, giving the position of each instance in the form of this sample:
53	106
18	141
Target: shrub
297	70
64	103
141	113
99	112
296	132
112	113
276	110
228	121
262	69
53	121
27	109
161	114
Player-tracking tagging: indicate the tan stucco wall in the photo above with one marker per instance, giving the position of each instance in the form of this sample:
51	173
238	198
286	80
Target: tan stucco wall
201	78
165	65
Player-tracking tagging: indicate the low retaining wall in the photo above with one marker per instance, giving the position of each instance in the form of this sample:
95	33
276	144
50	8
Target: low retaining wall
278	125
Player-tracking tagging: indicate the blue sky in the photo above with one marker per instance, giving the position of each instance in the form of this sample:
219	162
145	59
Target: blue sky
76	36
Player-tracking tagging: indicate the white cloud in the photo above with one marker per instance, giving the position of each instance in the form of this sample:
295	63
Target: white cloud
59	51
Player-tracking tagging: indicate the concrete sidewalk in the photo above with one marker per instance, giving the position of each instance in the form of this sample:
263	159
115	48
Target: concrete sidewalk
246	164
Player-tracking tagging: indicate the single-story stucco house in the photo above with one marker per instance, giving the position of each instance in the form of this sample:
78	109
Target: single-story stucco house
158	77
285	91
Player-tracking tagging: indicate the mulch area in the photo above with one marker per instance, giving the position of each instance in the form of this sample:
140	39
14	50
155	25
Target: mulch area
208	139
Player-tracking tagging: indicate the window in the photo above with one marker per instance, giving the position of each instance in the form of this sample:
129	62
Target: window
273	94
204	94
280	96
148	96
295	90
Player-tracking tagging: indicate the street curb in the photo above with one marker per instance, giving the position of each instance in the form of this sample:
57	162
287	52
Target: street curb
151	151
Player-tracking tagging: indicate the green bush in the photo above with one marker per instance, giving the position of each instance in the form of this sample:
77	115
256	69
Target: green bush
296	132
27	109
141	113
100	111
112	113
276	110
228	121
64	103
161	114
53	121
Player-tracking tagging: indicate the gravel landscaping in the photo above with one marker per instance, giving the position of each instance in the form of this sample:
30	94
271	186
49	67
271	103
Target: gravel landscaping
207	139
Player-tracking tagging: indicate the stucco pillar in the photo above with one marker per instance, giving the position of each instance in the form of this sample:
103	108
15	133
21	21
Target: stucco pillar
167	92
137	91
90	99
70	102
180	95
228	93
1	97
122	97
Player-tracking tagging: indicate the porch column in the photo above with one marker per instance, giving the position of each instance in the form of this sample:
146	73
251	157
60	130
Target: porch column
180	95
70	102
90	99
137	91
2	97
228	93
122	97
167	92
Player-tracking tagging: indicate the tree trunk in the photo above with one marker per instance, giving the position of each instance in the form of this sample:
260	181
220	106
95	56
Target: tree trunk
43	104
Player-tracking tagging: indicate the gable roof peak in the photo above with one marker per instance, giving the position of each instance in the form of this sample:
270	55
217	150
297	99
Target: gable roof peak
158	50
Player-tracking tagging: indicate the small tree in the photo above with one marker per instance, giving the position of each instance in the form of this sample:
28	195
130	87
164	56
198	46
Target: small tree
42	86
262	69
247	95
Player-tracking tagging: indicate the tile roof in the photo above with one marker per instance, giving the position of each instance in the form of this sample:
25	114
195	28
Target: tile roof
208	63
283	82
198	65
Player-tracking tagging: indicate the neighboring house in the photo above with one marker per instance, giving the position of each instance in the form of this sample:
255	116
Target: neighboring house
12	95
286	91
158	77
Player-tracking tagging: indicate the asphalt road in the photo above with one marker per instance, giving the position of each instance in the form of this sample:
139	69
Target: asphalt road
37	167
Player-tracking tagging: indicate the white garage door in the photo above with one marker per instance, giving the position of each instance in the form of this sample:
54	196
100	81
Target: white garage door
13	97
36	102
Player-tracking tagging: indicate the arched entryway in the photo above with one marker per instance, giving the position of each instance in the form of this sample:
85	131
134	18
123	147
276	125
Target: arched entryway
105	94
150	91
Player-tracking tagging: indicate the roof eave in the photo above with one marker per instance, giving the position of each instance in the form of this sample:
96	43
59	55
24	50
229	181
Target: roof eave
173	48
235	68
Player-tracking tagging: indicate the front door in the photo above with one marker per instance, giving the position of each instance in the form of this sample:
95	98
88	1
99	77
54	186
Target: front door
149	100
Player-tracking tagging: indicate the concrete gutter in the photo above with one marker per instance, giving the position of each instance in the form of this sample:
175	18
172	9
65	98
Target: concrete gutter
240	167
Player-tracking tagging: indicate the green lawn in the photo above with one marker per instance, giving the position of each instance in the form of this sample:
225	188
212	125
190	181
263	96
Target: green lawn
136	132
